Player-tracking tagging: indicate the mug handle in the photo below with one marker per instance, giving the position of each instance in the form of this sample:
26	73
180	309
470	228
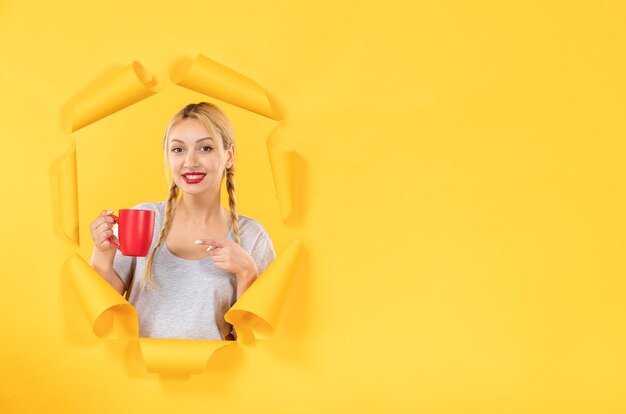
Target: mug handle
115	219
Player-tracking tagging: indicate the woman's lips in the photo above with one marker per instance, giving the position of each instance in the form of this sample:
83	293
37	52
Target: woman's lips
194	181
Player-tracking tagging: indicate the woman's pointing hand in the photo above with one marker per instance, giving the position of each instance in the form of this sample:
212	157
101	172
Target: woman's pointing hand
230	257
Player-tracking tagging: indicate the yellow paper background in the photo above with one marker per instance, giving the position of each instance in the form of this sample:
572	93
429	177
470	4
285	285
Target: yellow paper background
458	185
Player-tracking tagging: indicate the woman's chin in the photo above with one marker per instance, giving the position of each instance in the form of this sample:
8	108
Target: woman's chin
201	188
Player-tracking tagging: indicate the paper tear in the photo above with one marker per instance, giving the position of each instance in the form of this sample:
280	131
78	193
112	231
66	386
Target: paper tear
113	93
258	310
282	161
178	356
66	203
213	79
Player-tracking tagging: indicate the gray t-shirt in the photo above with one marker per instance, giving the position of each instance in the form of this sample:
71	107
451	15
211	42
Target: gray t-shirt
194	295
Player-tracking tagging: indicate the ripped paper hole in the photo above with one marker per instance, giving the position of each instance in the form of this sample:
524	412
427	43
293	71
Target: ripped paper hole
257	312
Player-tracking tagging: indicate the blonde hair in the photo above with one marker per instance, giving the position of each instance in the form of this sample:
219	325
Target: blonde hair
216	122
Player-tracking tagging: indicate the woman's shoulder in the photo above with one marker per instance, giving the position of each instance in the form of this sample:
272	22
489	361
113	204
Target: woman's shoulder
252	234
250	226
157	206
149	205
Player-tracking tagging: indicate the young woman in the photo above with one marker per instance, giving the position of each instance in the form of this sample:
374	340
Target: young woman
182	289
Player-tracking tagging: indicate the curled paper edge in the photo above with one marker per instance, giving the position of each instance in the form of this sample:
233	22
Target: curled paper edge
65	196
258	310
178	356
255	314
282	161
108	313
213	79
111	94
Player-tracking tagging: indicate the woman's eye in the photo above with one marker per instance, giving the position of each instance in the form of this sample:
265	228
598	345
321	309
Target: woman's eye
178	148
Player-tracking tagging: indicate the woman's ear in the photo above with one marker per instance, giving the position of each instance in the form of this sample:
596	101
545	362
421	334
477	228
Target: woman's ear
230	156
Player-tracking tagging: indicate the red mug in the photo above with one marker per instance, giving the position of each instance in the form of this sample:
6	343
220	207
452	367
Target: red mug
135	230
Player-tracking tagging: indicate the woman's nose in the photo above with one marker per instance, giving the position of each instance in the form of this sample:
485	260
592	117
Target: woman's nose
190	159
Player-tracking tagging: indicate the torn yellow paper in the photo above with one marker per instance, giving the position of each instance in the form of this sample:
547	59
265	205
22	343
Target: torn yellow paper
258	310
178	356
282	161
113	93
255	314
218	81
108	313
65	208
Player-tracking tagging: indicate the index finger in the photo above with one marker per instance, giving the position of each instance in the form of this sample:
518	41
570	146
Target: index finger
211	242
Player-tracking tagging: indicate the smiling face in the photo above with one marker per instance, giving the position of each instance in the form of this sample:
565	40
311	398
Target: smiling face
194	149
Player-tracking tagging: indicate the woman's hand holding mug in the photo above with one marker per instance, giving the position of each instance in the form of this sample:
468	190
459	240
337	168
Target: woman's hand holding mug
136	230
101	230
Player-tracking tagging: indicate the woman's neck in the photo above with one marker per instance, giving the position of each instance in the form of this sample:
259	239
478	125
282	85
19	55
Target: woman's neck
201	211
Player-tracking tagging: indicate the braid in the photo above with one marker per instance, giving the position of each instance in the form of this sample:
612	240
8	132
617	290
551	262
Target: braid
230	186
170	207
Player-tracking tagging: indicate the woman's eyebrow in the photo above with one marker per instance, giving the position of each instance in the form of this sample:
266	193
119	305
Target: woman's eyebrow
201	139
